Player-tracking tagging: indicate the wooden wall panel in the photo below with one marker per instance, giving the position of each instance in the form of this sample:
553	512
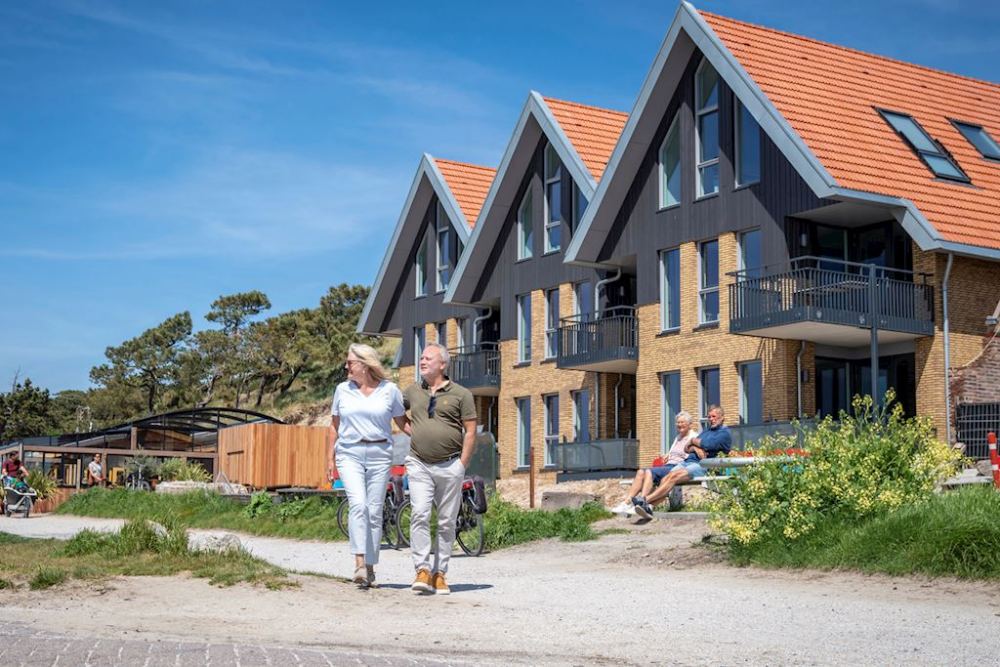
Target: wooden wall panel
267	456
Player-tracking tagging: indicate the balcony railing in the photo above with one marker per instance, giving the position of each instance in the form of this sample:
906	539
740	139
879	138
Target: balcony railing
607	342
597	455
477	368
823	291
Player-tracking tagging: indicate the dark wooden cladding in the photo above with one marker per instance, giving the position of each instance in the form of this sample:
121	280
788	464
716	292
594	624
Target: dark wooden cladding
504	276
641	230
406	310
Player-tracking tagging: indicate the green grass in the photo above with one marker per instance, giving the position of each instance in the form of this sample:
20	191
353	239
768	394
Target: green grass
136	550
506	524
956	534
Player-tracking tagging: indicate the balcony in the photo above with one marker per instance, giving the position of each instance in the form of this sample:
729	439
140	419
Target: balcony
596	456
607	343
477	368
831	302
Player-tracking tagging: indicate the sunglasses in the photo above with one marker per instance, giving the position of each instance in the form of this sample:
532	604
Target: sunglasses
430	406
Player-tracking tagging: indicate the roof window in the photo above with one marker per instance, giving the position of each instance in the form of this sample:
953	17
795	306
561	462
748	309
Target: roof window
930	151
980	138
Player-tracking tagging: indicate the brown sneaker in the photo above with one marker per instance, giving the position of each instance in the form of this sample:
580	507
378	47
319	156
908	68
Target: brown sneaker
422	584
440	585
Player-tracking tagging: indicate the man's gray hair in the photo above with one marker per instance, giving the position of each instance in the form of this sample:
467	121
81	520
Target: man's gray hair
442	351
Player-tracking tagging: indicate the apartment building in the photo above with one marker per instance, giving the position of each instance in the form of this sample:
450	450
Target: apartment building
513	274
778	225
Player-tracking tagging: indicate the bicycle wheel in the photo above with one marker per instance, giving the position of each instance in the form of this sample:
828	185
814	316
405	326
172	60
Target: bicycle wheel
403	514
389	533
342	517
471	533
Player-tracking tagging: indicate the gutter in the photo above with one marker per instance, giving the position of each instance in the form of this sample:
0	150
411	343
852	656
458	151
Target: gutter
947	350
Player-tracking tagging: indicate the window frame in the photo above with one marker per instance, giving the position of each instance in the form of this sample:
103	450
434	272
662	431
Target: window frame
551	439
443	231
523	409
581	426
673	132
704	291
524	328
703	403
419	345
578	212
439	329
741	368
548	225
461	337
698	114
525	249
941	152
668	426
960	124
551	325
577	309
675	290
420	269
737	154
741	264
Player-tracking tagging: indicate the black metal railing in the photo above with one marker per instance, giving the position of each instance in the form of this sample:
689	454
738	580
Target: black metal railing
476	366
597	455
815	289
973	422
586	339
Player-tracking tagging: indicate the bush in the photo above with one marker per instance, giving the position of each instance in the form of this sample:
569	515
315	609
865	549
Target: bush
507	524
178	470
260	503
47	577
43	485
861	466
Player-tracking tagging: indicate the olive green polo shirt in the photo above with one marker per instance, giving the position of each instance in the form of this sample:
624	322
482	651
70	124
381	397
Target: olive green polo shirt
438	437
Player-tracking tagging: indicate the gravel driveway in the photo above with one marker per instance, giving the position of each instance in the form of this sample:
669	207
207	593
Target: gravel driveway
646	596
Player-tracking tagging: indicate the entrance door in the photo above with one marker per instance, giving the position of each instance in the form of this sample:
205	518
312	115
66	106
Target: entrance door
832	390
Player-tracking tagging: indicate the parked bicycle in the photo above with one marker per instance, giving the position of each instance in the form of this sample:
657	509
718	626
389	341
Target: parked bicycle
470	531
395	497
136	478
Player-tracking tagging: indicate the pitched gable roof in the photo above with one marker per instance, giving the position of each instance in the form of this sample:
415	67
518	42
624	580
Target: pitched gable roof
459	188
830	94
794	87
469	183
582	135
593	131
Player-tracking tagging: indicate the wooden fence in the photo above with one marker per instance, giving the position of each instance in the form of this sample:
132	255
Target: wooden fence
268	456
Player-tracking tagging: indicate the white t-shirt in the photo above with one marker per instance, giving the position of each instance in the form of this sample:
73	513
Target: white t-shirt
95	470
366	417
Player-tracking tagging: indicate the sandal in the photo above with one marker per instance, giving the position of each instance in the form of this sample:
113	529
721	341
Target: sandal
361	576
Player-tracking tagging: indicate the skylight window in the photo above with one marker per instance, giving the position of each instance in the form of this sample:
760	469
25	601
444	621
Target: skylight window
933	155
980	138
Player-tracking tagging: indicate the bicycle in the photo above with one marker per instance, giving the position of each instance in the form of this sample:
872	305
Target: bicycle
470	531
136	480
394	499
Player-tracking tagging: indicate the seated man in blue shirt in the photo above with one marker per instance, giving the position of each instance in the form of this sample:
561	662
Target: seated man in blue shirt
709	444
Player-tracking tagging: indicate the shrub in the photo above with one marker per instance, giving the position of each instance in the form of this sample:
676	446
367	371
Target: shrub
43	485
260	503
47	577
861	466
178	470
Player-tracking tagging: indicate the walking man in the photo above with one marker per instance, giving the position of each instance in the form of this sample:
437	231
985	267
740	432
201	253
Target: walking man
443	436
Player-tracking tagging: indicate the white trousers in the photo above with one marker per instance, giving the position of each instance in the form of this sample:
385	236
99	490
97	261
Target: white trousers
440	485
364	468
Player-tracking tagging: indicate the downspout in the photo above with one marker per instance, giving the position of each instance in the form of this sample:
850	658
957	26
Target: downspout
476	321
947	350
597	376
798	375
617	385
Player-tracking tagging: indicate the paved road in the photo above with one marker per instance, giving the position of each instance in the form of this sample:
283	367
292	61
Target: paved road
23	647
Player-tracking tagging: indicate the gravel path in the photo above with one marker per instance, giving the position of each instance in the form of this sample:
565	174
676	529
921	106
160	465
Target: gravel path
646	596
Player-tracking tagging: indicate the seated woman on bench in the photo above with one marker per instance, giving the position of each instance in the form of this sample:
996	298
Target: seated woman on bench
690	448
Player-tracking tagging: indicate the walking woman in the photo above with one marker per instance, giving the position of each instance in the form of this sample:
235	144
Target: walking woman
361	444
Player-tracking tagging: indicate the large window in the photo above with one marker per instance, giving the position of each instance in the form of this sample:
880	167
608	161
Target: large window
707	128
553	199
708	282
931	152
583	300
708	384
751	393
551	402
524	327
751	260
581	415
419	342
980	138
747	147
670	166
421	268
579	205
447	249
523	432
670	289
670	386
462	332
441	328
551	323
525	229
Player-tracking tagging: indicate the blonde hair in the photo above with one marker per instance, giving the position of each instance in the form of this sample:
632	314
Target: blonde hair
367	355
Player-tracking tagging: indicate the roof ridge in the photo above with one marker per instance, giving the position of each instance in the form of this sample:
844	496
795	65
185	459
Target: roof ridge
463	164
585	106
849	49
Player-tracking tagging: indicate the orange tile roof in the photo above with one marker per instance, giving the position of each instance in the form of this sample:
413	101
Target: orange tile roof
828	93
593	131
469	184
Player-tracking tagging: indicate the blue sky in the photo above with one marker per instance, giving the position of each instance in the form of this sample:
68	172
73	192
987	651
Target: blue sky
154	156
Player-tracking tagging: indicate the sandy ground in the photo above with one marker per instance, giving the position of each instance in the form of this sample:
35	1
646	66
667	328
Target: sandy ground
649	595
